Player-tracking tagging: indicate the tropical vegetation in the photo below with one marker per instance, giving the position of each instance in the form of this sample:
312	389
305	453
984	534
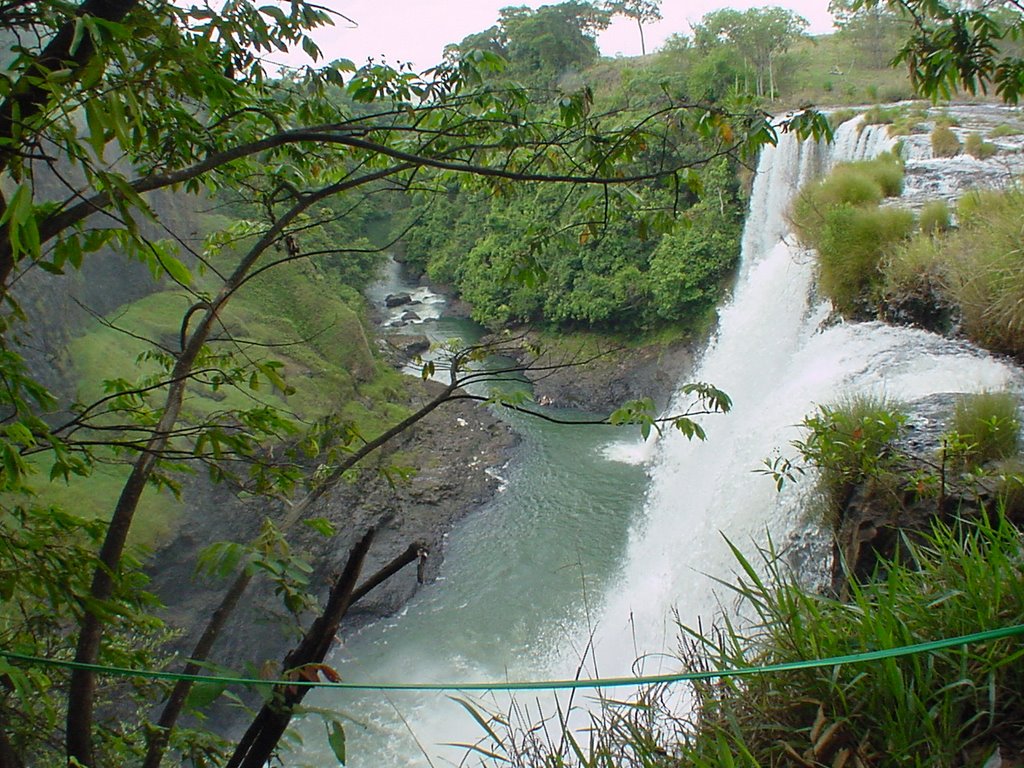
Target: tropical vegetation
215	218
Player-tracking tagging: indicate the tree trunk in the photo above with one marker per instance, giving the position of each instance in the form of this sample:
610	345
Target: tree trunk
260	740
157	746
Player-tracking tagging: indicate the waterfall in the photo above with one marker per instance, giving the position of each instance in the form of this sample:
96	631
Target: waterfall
776	360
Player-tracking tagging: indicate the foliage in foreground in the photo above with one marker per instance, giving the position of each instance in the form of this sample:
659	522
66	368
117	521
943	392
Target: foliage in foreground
945	708
950	707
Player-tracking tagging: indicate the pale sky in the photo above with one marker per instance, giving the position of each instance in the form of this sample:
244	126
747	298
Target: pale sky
418	30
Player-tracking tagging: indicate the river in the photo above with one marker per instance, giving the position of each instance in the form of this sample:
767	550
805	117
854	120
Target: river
518	576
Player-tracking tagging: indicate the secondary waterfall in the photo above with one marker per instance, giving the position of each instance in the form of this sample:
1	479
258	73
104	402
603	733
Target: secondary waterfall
775	358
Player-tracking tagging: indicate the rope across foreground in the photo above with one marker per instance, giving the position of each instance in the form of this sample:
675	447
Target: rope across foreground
541	685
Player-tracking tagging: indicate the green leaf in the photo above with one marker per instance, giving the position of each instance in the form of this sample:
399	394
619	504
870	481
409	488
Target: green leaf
336	739
204	694
321	525
177	271
95	120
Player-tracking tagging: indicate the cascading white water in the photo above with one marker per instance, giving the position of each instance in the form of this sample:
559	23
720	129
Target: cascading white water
774	358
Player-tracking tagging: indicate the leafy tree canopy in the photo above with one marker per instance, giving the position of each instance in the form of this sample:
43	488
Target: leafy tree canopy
760	34
545	44
952	46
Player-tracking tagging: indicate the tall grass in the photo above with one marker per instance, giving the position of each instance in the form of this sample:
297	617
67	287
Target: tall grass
858	183
978	269
935	217
977	147
1005	129
952	707
851	246
985	262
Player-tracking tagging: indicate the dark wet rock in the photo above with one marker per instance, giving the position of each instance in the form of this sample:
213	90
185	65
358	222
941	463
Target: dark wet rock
410	317
405	346
397	300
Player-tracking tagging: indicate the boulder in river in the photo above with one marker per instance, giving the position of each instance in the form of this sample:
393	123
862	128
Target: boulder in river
397	299
408	345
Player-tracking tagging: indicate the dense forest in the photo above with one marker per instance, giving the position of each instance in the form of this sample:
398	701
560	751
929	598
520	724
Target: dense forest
187	234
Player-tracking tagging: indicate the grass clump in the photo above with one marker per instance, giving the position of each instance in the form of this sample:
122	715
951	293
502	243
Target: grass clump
948	707
850	249
879	115
935	217
840	116
977	147
986	427
913	287
945	142
910	122
973	206
983	262
1005	129
858	183
975	270
839	216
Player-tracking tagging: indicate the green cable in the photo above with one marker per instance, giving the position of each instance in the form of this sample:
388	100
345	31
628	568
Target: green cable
544	685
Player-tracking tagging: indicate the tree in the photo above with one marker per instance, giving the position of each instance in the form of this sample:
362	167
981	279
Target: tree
761	35
875	30
641	11
123	99
545	44
952	46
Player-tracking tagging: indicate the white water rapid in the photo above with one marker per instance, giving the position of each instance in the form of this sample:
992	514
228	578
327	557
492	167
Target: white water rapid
776	360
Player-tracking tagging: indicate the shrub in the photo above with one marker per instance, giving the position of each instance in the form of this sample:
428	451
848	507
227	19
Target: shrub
887	171
944	142
858	183
935	217
987	427
1005	129
851	245
913	286
878	115
851	443
976	147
